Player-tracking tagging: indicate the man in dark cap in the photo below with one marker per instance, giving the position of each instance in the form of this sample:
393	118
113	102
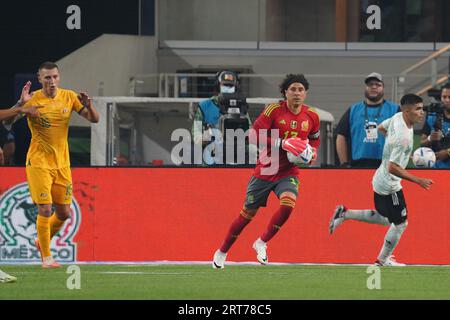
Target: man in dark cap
358	143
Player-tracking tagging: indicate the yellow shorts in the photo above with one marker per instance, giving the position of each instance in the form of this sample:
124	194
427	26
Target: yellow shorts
49	186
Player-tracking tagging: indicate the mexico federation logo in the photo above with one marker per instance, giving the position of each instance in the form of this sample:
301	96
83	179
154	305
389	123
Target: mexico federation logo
18	216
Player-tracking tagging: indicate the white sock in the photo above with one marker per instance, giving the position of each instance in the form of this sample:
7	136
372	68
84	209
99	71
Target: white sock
391	240
370	216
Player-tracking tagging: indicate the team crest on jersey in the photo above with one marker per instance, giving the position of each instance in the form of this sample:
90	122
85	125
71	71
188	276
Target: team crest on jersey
18	216
305	125
294	124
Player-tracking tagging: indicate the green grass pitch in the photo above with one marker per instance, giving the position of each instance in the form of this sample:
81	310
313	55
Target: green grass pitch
235	282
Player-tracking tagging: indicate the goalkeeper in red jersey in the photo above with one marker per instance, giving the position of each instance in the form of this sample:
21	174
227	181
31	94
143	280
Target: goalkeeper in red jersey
288	126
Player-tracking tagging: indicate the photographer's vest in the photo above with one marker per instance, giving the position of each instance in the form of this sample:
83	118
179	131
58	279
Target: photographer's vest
445	141
211	112
366	141
211	115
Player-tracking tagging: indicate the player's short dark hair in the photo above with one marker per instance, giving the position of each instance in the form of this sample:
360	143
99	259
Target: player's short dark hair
292	78
446	86
48	65
410	99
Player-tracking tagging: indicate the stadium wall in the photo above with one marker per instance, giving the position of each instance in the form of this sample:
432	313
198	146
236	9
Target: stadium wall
182	214
110	59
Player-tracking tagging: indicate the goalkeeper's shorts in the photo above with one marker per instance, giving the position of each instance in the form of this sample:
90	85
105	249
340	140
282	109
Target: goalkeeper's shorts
258	190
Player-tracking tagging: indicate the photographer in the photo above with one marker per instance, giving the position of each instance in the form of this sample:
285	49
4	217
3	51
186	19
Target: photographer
436	130
211	115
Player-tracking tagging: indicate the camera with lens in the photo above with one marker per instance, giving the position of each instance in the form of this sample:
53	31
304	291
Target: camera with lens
434	108
233	105
437	110
233	108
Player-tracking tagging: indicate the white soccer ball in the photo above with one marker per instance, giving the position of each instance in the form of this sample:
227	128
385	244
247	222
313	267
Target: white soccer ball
424	158
303	158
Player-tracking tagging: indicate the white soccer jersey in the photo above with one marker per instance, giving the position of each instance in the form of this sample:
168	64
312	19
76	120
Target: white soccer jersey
397	148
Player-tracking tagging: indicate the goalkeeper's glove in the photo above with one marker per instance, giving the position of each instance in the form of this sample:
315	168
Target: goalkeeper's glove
314	158
292	145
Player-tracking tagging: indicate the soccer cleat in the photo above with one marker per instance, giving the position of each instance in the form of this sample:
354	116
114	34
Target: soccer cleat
219	260
38	246
6	278
47	262
50	263
261	251
337	219
390	262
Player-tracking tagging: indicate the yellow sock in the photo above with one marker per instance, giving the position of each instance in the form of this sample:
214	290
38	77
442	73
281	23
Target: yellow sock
43	233
55	225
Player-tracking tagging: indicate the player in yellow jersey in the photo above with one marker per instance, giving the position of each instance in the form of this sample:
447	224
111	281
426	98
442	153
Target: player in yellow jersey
48	164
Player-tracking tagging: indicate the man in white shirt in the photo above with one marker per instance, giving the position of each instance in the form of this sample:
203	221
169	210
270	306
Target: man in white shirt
390	206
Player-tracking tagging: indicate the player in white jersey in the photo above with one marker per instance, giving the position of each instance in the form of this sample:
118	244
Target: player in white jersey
390	206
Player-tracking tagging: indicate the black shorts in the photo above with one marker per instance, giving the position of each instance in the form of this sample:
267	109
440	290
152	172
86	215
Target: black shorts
392	206
258	190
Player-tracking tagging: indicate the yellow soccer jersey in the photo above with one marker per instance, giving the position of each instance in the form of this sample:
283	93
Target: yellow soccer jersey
49	147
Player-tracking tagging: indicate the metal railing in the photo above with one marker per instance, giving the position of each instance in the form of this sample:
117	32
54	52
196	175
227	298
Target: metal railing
331	92
400	81
173	85
440	81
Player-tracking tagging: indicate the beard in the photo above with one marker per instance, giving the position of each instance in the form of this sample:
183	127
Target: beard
376	98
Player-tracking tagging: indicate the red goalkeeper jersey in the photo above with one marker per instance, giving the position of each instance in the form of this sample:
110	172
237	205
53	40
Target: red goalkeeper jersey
305	125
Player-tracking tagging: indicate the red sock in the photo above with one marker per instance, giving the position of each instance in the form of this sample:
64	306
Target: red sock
235	230
279	218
